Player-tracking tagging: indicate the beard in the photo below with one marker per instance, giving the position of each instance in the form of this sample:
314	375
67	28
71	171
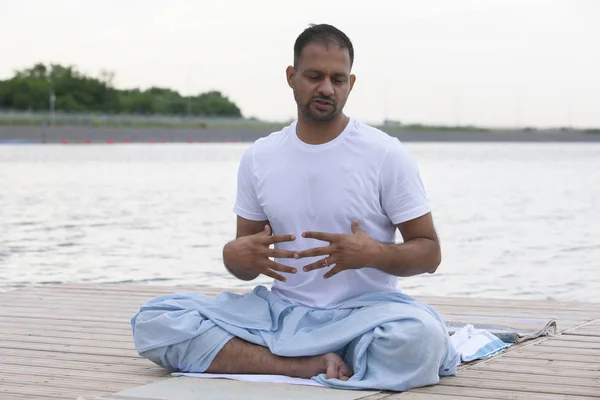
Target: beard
309	113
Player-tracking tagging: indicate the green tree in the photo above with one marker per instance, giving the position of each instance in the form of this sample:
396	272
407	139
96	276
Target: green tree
30	88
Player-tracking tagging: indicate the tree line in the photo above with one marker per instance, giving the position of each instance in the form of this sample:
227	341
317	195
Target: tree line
36	88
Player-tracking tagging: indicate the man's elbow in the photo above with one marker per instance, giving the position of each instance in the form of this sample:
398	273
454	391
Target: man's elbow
436	258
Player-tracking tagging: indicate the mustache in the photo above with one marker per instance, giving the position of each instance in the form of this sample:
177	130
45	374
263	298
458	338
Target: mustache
324	98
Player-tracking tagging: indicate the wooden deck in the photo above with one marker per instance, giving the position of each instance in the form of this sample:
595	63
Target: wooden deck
67	341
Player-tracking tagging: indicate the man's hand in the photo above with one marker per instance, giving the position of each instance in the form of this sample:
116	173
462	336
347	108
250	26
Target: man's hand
346	251
251	254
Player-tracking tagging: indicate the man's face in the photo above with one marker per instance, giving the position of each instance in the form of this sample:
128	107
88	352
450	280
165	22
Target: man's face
321	81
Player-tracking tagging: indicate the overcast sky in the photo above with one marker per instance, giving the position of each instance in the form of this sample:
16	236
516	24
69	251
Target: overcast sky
486	62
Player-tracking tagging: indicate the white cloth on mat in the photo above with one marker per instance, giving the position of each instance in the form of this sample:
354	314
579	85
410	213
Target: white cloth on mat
474	344
253	378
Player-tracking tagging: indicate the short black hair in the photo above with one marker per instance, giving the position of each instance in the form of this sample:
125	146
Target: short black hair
323	33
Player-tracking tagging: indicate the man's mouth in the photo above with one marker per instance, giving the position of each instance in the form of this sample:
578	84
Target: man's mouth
322	104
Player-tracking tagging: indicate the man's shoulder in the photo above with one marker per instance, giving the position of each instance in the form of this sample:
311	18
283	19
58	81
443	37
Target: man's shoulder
273	138
373	136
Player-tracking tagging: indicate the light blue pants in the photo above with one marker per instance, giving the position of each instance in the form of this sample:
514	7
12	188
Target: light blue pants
389	340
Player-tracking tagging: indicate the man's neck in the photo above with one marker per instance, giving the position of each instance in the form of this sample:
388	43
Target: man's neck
321	132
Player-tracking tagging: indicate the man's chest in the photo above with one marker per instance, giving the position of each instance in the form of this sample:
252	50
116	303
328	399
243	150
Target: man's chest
317	193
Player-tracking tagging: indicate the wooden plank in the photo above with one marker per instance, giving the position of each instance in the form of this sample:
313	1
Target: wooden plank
55	317
82	307
15	396
125	293
63	357
378	396
492	394
57	336
155	290
566	337
552	356
37	372
512	378
92	343
60	309
592	326
132	288
97	323
120	318
66	348
562	324
526	370
533	387
588	331
542	348
61	382
541	363
428	396
583	333
113	336
90	299
591	345
89	365
514	312
28	299
34	392
509	303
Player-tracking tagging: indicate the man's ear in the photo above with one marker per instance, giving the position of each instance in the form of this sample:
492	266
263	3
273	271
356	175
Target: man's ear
289	73
352	80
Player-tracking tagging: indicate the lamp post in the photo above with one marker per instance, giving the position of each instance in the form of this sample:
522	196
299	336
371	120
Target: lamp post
52	100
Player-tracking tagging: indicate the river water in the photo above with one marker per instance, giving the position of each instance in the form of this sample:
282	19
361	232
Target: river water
516	220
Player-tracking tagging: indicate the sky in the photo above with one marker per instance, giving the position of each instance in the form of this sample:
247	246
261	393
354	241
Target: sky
496	63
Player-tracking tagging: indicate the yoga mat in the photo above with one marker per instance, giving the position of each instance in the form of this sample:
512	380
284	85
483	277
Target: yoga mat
509	330
188	388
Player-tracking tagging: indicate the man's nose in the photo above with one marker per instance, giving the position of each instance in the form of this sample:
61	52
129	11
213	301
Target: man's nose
326	88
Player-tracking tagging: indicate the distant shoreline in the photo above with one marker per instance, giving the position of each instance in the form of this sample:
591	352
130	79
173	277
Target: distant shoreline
100	135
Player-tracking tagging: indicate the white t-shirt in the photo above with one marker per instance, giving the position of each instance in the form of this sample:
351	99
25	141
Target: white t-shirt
362	174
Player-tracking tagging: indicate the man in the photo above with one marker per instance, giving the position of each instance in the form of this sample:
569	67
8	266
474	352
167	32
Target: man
318	204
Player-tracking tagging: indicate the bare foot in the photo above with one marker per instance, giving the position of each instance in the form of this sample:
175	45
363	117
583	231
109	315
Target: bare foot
336	367
331	364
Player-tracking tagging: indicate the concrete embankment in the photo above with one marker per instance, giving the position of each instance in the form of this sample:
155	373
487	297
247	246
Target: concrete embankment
75	135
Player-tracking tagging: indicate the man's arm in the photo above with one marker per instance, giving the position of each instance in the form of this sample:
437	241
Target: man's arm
244	227
420	253
404	199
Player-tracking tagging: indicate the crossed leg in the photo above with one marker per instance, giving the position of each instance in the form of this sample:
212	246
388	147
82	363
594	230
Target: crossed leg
241	357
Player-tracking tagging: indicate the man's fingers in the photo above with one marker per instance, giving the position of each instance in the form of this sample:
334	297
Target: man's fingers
280	238
278	253
333	271
273	275
273	266
281	267
316	251
325	262
326	237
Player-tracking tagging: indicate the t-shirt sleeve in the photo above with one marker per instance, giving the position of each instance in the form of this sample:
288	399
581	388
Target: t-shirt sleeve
403	195
246	203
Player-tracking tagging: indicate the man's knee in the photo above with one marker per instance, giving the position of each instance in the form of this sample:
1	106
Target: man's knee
177	339
418	338
191	355
400	355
